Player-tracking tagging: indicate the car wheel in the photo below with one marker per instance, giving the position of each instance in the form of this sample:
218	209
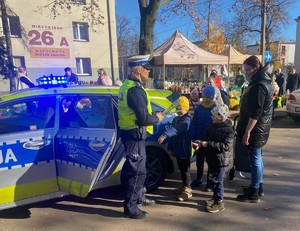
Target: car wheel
156	169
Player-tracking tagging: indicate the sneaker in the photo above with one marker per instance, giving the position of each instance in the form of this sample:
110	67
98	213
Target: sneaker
216	207
260	190
212	179
210	202
146	202
140	214
178	190
208	189
250	196
185	194
196	183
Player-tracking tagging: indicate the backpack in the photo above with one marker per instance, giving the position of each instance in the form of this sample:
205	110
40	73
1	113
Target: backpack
225	97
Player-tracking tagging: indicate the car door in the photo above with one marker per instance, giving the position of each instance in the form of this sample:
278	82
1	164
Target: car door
27	165
84	142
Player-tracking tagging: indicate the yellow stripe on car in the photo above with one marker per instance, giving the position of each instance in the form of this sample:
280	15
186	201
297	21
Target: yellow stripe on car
25	191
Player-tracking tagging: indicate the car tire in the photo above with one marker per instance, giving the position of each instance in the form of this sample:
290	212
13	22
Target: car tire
156	169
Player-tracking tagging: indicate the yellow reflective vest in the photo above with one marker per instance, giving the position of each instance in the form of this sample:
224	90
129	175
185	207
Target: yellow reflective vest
127	117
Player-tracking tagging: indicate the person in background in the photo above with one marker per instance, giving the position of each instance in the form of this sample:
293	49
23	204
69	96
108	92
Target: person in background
194	101
180	144
217	79
217	142
103	78
254	123
276	89
212	81
135	121
293	81
23	80
280	78
200	121
240	79
72	78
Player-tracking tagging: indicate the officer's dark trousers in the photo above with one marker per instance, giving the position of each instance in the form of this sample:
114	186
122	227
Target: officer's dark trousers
134	174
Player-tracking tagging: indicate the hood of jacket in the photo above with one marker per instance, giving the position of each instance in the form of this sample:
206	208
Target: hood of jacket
265	73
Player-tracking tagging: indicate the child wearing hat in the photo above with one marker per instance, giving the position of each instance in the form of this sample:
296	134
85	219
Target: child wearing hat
217	142
201	120
194	101
180	144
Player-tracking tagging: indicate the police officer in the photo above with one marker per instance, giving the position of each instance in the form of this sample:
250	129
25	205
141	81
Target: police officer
135	121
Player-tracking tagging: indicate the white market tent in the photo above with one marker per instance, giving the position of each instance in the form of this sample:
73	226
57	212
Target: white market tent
178	50
234	57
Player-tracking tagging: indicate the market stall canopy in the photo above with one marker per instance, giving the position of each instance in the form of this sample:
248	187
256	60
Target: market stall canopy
178	50
236	57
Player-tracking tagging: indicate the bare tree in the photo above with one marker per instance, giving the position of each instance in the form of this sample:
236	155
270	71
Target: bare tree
91	11
247	21
149	12
128	37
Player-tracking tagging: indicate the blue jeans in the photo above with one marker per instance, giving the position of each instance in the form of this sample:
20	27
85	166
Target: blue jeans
257	167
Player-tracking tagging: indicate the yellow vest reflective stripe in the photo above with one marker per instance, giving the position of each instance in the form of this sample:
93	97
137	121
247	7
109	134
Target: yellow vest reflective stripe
127	117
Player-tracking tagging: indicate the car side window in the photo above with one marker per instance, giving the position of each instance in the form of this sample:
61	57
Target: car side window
26	115
87	111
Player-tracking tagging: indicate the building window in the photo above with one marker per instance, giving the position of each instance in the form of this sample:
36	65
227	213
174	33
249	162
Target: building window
19	61
80	31
14	26
83	2
283	51
83	66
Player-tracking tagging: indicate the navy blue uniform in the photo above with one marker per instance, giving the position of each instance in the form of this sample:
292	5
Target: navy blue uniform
134	169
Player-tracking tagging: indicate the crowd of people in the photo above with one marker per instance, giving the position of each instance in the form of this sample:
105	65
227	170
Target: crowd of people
200	125
23	81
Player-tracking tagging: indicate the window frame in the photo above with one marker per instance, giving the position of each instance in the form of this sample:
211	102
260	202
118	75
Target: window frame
81	2
81	66
78	29
14	22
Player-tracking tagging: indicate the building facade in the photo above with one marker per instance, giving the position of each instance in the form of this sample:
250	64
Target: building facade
297	53
46	45
284	52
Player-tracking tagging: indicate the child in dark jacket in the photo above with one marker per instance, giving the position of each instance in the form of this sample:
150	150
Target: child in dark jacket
217	142
201	120
180	144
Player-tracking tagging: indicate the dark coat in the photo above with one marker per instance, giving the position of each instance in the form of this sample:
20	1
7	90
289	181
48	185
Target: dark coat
257	103
220	143
180	142
201	120
293	82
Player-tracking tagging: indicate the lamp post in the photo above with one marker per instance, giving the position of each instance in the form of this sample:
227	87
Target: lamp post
263	29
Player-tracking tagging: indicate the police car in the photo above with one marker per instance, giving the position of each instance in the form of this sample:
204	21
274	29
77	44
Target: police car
61	140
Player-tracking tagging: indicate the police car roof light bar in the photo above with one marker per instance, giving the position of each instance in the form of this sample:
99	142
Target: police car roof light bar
52	81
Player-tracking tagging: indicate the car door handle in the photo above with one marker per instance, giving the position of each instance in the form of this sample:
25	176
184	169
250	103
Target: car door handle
36	144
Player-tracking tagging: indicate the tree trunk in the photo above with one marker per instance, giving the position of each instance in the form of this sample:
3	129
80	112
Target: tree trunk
6	32
148	13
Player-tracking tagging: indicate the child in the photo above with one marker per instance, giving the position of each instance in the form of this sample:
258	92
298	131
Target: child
194	101
180	144
217	143
201	120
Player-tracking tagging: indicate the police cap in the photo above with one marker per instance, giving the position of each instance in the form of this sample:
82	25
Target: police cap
140	60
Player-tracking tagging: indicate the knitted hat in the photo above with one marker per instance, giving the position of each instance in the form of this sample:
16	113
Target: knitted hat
209	91
194	91
183	103
220	111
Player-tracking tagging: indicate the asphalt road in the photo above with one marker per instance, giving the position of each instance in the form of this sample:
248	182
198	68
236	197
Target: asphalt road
279	210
